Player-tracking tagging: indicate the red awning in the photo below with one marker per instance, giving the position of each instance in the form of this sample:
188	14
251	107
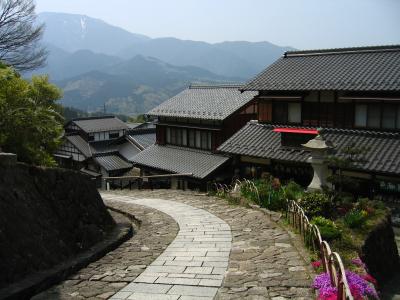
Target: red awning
297	130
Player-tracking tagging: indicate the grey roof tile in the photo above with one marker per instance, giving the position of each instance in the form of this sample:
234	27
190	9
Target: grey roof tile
99	124
346	69
144	140
180	160
204	102
81	144
112	162
128	150
103	147
260	140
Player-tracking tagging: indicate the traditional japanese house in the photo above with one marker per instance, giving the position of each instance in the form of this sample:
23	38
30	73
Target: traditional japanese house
102	146
190	127
350	96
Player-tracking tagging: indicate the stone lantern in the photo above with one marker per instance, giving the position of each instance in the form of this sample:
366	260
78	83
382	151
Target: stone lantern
319	149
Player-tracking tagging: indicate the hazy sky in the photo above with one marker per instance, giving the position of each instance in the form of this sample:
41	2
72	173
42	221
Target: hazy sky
302	24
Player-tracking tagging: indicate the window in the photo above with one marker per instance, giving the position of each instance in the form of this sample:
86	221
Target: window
184	137
280	112
374	116
168	135
389	116
198	139
192	138
113	135
204	139
344	113
311	114
294	112
326	114
91	137
361	115
377	115
173	136
398	117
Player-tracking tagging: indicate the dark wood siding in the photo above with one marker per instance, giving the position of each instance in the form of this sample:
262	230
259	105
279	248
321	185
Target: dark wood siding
265	111
160	135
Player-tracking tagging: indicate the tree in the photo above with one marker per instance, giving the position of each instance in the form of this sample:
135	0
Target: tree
20	35
30	122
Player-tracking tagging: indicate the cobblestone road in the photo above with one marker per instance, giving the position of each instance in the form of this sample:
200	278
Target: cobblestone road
192	267
105	277
265	261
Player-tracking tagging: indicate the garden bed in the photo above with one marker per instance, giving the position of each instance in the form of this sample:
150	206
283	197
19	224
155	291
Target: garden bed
359	229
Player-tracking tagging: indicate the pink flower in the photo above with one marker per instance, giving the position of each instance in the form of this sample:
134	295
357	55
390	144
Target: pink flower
369	278
358	262
316	264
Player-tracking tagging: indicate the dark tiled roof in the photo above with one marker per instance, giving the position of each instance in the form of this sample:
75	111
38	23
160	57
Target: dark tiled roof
204	102
143	140
128	150
103	147
260	140
112	162
180	160
99	124
90	172
81	144
346	69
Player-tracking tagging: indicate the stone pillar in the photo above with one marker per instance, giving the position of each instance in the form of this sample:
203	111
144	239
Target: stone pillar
317	160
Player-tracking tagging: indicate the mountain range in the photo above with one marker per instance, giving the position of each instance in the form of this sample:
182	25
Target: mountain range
98	64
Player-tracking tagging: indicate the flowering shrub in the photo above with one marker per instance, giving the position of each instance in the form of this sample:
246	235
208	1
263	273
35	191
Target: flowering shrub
360	288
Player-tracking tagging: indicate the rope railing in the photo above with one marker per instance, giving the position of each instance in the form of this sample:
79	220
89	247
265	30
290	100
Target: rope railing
331	262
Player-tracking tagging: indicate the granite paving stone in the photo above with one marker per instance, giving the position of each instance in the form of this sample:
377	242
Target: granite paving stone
264	262
196	229
244	254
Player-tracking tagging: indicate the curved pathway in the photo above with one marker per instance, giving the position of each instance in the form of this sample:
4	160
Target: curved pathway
266	261
193	265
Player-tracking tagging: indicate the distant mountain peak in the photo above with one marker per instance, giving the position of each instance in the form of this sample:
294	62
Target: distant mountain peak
73	32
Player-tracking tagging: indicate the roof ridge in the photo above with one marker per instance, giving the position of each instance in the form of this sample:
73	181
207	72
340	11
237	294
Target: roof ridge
215	86
330	129
94	118
361	132
208	152
345	50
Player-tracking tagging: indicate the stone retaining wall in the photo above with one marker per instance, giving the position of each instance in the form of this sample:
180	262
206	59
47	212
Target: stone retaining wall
46	216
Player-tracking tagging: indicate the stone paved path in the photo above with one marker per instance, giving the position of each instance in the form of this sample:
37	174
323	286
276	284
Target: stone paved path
265	262
106	276
193	265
